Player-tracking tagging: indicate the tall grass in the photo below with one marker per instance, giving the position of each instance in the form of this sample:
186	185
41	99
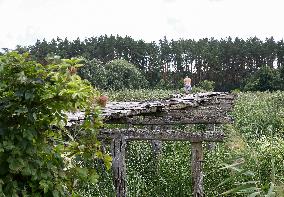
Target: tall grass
254	145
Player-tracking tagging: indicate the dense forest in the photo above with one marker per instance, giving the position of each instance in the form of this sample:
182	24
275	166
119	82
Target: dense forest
251	64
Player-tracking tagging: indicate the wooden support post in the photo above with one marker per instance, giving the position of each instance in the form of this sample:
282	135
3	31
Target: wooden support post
156	144
156	148
196	169
118	165
210	145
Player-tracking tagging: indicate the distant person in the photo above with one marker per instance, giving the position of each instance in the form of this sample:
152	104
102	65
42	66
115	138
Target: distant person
187	84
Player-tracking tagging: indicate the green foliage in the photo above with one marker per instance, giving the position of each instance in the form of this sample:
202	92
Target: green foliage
114	75
242	187
95	73
139	95
206	85
257	113
253	165
228	62
203	86
264	79
254	147
124	75
165	85
250	187
38	155
167	174
257	137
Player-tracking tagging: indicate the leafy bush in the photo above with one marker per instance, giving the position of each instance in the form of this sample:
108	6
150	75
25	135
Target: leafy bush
95	73
38	156
114	75
124	75
139	95
264	79
206	85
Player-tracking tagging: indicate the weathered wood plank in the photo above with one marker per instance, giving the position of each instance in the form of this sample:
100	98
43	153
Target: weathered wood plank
155	144
210	145
116	110
196	169
118	146
208	108
175	119
162	135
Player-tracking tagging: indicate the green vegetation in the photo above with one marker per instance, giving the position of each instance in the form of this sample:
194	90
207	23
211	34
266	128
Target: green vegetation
249	162
230	63
265	79
139	95
114	75
38	156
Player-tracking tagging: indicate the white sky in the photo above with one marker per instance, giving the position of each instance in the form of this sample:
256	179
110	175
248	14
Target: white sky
25	21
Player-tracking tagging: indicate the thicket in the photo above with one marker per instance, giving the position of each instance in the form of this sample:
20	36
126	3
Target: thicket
265	79
38	155
114	75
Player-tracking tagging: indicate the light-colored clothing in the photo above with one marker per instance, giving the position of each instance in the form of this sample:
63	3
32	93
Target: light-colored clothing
187	87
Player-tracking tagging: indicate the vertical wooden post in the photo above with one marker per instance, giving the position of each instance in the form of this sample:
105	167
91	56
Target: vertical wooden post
210	145
156	148
196	168
118	165
156	144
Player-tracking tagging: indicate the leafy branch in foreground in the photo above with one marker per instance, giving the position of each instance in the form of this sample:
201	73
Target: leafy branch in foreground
35	147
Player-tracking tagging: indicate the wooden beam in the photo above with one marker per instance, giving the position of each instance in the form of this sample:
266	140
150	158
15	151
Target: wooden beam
173	120
210	145
155	144
162	135
210	114
208	108
196	169
118	146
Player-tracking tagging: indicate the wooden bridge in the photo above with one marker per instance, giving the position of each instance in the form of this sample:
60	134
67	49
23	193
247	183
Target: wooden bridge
202	108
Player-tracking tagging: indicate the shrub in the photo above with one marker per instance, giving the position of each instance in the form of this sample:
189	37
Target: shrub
114	75
206	85
264	79
95	73
36	150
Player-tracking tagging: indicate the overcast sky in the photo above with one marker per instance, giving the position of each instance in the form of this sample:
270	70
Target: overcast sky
25	21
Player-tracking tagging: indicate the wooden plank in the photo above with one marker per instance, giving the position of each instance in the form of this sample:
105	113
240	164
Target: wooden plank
162	135
208	108
156	144
118	146
196	169
173	120
210	145
209	114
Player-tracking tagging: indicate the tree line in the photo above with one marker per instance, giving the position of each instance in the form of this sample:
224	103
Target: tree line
230	63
